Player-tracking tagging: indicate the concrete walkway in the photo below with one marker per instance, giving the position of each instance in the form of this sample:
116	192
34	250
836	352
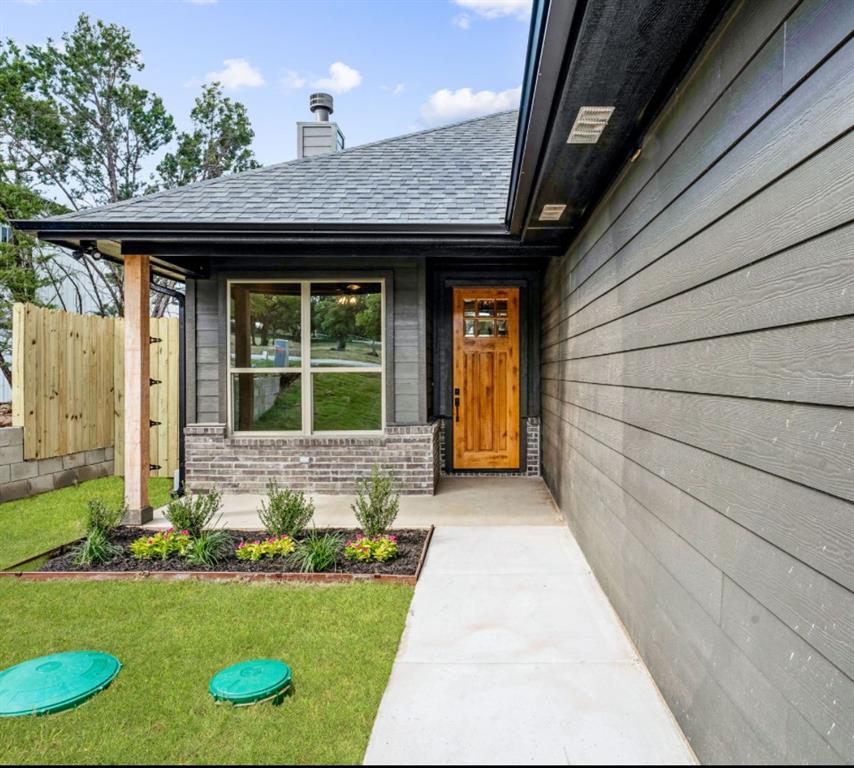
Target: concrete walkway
458	501
513	654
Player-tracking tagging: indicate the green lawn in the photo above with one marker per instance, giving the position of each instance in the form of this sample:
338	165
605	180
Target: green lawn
33	525
342	401
172	636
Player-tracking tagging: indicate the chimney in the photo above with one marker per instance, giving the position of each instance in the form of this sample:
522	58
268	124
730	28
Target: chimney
320	137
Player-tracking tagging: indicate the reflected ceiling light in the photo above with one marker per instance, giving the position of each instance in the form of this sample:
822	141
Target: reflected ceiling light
589	124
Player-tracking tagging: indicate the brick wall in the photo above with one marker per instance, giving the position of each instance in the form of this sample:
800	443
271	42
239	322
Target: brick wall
20	478
531	466
317	464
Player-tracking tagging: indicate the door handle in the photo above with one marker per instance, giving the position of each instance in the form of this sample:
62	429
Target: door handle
457	408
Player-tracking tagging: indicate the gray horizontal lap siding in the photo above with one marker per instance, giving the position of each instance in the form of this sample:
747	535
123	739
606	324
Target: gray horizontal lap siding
698	390
405	334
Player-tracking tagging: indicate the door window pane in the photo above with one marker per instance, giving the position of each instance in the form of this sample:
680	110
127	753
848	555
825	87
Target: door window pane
485	328
266	402
347	401
346	325
265	325
486	308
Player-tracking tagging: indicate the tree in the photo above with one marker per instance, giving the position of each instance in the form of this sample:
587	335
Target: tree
22	261
369	319
344	317
336	318
275	314
218	143
73	124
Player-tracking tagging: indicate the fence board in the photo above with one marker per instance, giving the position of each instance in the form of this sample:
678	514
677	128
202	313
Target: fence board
68	385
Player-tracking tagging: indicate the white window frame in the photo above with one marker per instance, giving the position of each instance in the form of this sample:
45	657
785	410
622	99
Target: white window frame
306	369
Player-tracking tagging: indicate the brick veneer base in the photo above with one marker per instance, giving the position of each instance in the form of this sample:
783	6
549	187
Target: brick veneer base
317	464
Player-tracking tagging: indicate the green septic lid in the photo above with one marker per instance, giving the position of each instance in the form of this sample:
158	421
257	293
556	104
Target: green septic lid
56	682
250	681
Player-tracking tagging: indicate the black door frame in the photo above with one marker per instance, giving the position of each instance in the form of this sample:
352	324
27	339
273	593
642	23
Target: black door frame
443	279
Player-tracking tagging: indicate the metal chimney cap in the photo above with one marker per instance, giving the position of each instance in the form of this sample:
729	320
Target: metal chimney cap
321	103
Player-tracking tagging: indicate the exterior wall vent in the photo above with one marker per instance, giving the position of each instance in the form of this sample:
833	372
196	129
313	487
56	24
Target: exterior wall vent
589	124
552	212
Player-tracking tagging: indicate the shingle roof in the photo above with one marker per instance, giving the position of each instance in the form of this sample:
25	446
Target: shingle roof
455	174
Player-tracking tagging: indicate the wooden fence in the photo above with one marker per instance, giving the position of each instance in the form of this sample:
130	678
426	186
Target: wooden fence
68	382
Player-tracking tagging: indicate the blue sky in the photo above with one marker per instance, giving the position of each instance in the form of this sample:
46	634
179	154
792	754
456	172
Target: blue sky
393	66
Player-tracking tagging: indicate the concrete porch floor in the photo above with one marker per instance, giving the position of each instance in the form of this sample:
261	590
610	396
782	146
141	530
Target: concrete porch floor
458	501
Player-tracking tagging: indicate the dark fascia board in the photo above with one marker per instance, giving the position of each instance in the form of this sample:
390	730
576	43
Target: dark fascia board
59	228
180	253
554	29
186	250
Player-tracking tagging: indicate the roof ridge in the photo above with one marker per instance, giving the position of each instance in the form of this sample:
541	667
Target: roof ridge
130	202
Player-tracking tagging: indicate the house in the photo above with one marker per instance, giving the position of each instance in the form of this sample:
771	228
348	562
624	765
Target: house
641	285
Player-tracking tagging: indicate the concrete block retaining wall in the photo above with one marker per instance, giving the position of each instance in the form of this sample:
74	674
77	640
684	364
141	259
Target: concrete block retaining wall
20	478
318	464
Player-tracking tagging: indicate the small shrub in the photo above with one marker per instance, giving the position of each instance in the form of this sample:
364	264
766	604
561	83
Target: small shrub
359	549
317	552
208	548
285	512
271	547
103	518
376	504
385	548
162	545
194	513
95	548
380	549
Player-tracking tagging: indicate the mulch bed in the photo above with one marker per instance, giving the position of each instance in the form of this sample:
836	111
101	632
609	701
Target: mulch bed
410	545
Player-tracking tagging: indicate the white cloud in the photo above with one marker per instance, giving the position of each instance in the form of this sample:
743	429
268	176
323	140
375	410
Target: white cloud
496	9
237	73
341	79
293	81
461	20
395	90
446	105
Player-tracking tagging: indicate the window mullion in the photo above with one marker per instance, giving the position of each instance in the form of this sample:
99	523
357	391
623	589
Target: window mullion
305	357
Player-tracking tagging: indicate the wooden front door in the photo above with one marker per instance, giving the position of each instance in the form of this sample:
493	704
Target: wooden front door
486	378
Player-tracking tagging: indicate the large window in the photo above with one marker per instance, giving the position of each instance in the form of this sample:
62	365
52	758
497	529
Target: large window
306	356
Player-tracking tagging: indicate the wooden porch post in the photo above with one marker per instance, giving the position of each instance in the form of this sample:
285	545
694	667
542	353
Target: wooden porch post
137	402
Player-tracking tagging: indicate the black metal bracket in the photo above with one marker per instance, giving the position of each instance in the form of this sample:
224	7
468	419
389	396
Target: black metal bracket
153	423
152	382
153	467
154	340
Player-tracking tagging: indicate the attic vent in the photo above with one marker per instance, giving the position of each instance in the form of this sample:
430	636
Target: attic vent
589	124
552	212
